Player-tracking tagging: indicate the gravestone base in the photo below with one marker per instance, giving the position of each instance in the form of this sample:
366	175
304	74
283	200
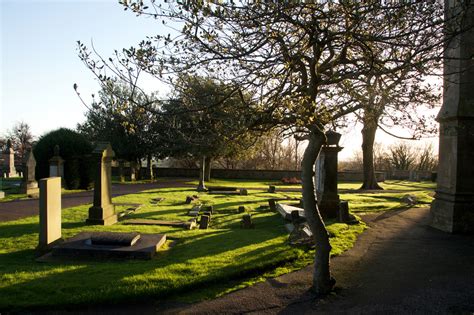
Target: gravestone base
45	248
80	246
102	215
452	217
329	207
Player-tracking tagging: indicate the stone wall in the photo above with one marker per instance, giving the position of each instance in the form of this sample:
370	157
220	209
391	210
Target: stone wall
243	174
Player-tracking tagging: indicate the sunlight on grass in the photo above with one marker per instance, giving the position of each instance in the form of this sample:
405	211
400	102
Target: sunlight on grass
200	264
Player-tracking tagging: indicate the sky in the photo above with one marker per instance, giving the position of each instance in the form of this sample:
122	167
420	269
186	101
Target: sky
39	62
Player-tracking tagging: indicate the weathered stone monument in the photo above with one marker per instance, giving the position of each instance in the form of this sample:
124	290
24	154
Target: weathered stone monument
9	161
29	185
49	212
326	176
453	208
56	165
103	211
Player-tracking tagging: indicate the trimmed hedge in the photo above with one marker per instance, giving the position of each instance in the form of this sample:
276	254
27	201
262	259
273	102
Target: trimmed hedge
74	148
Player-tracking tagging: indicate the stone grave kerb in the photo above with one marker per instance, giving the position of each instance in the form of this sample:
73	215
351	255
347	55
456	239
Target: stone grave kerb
103	211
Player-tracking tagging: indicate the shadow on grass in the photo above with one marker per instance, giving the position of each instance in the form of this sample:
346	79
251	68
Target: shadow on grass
58	285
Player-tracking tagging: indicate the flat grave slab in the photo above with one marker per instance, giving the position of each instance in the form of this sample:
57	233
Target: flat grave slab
285	211
221	188
223	192
82	246
183	224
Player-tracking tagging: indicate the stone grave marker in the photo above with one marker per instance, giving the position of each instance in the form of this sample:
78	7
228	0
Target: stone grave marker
244	192
190	199
204	223
195	211
241	209
103	211
271	189
209	209
109	245
9	161
326	176
286	211
246	222
49	212
56	164
272	204
29	185
208	214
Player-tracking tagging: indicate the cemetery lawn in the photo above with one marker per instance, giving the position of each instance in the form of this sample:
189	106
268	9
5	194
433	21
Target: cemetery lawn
193	265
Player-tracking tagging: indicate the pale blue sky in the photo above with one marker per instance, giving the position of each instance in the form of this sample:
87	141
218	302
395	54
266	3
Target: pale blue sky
39	62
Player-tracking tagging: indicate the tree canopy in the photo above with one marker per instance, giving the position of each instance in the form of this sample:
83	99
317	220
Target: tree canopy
290	57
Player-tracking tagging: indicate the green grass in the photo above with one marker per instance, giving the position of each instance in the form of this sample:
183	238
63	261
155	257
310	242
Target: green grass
245	183
193	265
196	266
388	199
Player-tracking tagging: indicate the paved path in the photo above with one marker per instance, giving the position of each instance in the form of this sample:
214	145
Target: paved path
400	265
13	210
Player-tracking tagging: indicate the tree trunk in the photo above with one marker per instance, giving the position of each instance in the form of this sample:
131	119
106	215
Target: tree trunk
133	172
207	169
121	175
368	169
150	174
323	283
202	170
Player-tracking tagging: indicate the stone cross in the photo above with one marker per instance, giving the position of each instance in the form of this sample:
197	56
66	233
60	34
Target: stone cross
49	212
29	185
103	211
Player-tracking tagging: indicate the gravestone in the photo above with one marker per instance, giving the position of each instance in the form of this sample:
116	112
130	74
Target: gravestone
204	223
195	211
272	204
326	176
271	189
103	211
29	185
49	212
246	222
243	192
241	209
287	210
56	164
453	207
9	161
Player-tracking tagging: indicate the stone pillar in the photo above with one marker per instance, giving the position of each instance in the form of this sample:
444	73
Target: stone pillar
326	181
29	185
49	212
9	161
325	176
453	208
56	165
103	211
